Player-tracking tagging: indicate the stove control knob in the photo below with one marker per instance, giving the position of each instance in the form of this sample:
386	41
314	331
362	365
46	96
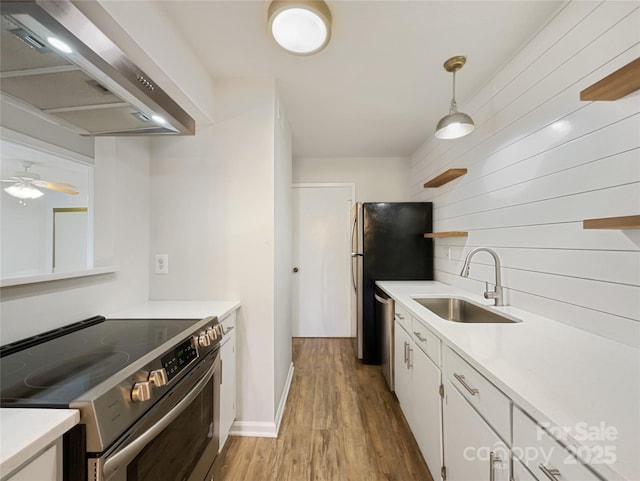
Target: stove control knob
203	340
158	377
212	334
220	329
141	391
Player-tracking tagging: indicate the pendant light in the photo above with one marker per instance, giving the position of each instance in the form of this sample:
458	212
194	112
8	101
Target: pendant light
301	27
455	124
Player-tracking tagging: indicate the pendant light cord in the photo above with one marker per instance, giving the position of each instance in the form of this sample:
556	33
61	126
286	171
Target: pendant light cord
453	108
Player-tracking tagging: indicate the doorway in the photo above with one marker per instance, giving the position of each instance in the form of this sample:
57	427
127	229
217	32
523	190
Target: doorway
321	302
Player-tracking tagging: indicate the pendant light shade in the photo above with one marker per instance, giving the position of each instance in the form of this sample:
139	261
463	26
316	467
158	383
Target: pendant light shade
301	27
455	124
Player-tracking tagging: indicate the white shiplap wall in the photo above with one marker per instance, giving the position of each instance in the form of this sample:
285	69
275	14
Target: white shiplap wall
541	161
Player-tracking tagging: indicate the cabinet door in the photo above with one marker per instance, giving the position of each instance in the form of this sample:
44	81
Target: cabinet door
46	467
472	450
427	413
228	388
402	344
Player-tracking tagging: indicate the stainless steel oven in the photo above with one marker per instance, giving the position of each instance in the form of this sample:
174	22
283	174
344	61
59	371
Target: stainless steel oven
177	440
148	392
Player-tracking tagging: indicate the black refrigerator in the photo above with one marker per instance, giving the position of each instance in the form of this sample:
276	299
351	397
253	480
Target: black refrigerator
387	244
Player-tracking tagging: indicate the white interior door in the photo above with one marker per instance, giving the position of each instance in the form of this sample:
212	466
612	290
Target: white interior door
321	253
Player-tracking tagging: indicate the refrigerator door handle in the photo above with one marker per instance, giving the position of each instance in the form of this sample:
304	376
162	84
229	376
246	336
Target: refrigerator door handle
354	254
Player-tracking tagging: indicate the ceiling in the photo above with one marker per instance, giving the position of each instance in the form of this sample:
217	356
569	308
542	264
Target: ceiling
379	88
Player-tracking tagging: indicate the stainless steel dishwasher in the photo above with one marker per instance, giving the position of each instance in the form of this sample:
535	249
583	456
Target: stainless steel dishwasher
385	317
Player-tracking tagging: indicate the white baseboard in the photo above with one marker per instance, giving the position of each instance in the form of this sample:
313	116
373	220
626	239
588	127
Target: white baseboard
283	398
253	429
265	429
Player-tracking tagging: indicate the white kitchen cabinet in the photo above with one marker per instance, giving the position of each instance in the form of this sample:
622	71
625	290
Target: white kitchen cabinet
417	385
426	413
402	373
472	450
520	473
546	458
228	381
45	467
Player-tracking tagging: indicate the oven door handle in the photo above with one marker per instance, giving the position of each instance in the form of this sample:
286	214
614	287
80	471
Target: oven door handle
131	450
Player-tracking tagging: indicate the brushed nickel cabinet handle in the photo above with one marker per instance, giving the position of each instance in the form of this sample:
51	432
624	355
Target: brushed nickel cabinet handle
410	363
552	474
399	316
472	390
419	336
493	459
406	352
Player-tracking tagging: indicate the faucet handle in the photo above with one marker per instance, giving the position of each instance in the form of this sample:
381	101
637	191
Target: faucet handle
487	294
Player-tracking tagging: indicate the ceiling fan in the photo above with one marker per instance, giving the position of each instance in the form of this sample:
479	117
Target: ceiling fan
25	184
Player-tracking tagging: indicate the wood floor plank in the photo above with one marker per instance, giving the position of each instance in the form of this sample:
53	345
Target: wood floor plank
341	423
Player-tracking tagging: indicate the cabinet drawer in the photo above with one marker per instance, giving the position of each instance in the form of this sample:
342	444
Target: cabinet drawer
484	396
545	457
426	340
229	325
402	316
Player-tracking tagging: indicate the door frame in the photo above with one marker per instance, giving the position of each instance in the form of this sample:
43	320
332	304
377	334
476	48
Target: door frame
351	185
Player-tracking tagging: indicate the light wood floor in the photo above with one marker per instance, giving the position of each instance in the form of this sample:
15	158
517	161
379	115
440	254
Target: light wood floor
341	423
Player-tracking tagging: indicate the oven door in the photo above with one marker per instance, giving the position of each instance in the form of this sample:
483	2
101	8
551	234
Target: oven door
177	440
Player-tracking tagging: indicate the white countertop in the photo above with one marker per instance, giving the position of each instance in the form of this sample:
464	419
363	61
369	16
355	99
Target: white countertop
555	372
175	310
25	432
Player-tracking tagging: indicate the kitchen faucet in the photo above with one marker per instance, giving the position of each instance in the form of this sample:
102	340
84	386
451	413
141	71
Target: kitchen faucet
496	294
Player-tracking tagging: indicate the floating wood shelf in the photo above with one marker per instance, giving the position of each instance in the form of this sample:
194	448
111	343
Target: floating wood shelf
615	86
445	177
435	235
626	222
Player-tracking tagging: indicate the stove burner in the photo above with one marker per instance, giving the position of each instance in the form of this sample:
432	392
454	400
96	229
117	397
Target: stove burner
83	368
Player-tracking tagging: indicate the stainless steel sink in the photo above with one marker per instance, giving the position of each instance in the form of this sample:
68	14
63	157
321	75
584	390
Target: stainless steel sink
459	310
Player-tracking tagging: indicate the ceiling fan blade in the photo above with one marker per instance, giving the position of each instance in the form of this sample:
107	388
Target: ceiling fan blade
45	184
52	186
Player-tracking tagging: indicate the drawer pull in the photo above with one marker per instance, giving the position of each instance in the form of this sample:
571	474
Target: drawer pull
406	352
552	474
419	336
493	459
472	390
399	316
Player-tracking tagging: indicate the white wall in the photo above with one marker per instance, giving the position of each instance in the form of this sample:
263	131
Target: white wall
541	161
214	212
283	218
377	179
121	199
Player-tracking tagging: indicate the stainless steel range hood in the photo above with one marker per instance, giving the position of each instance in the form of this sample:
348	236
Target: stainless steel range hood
54	59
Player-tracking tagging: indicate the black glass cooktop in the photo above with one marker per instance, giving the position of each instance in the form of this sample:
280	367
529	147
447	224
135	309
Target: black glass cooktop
57	371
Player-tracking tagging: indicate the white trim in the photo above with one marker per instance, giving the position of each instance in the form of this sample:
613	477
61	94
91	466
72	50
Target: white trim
328	184
283	398
253	429
17	281
264	429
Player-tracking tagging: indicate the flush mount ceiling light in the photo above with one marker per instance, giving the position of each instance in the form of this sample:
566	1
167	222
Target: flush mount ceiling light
455	124
301	27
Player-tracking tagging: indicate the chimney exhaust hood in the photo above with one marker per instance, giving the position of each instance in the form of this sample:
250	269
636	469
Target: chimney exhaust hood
56	61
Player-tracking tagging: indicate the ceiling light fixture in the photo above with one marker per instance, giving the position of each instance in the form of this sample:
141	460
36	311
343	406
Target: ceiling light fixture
455	124
22	191
301	27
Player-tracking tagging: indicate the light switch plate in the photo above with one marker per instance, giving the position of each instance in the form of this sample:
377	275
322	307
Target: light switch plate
162	263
